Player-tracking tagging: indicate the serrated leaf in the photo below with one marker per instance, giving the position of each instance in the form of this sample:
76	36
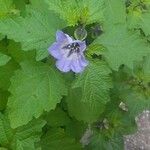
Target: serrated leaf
5	130
35	31
90	93
35	88
114	12
4	59
6	8
141	20
84	11
83	111
95	83
15	51
22	138
27	136
57	139
123	46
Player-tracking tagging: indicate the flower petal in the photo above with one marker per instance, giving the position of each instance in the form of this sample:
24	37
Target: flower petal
83	61
54	50
77	66
63	65
61	37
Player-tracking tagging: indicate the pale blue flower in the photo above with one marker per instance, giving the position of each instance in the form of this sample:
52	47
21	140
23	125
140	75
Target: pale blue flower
69	53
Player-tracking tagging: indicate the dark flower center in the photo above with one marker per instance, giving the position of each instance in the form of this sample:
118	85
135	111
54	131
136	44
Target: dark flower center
73	48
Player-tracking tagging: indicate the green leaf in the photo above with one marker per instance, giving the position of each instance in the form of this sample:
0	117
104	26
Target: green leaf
95	83
146	66
1	36
22	138
35	31
57	118
5	130
114	12
90	92
4	59
57	139
99	141
6	73
136	102
137	19
83	111
14	50
27	136
3	99
83	11
123	46
6	8
35	88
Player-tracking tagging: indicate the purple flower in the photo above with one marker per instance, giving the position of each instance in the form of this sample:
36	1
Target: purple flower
69	53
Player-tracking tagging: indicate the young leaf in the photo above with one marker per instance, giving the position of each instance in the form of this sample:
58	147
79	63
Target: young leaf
139	19
6	8
35	88
83	11
35	31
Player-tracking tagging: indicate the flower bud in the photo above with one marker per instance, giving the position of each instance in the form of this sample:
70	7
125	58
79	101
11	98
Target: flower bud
80	33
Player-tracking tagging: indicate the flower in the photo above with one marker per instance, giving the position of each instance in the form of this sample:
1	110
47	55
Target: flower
69	53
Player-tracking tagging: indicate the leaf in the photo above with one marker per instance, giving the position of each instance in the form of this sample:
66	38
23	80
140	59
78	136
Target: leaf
114	12
83	11
123	46
139	19
3	99
4	59
5	130
83	111
57	139
90	93
6	8
136	103
57	118
21	138
99	141
27	136
15	51
6	73
35	88
35	31
1	36
95	83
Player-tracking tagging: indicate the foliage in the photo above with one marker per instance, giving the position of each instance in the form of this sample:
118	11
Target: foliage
42	108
